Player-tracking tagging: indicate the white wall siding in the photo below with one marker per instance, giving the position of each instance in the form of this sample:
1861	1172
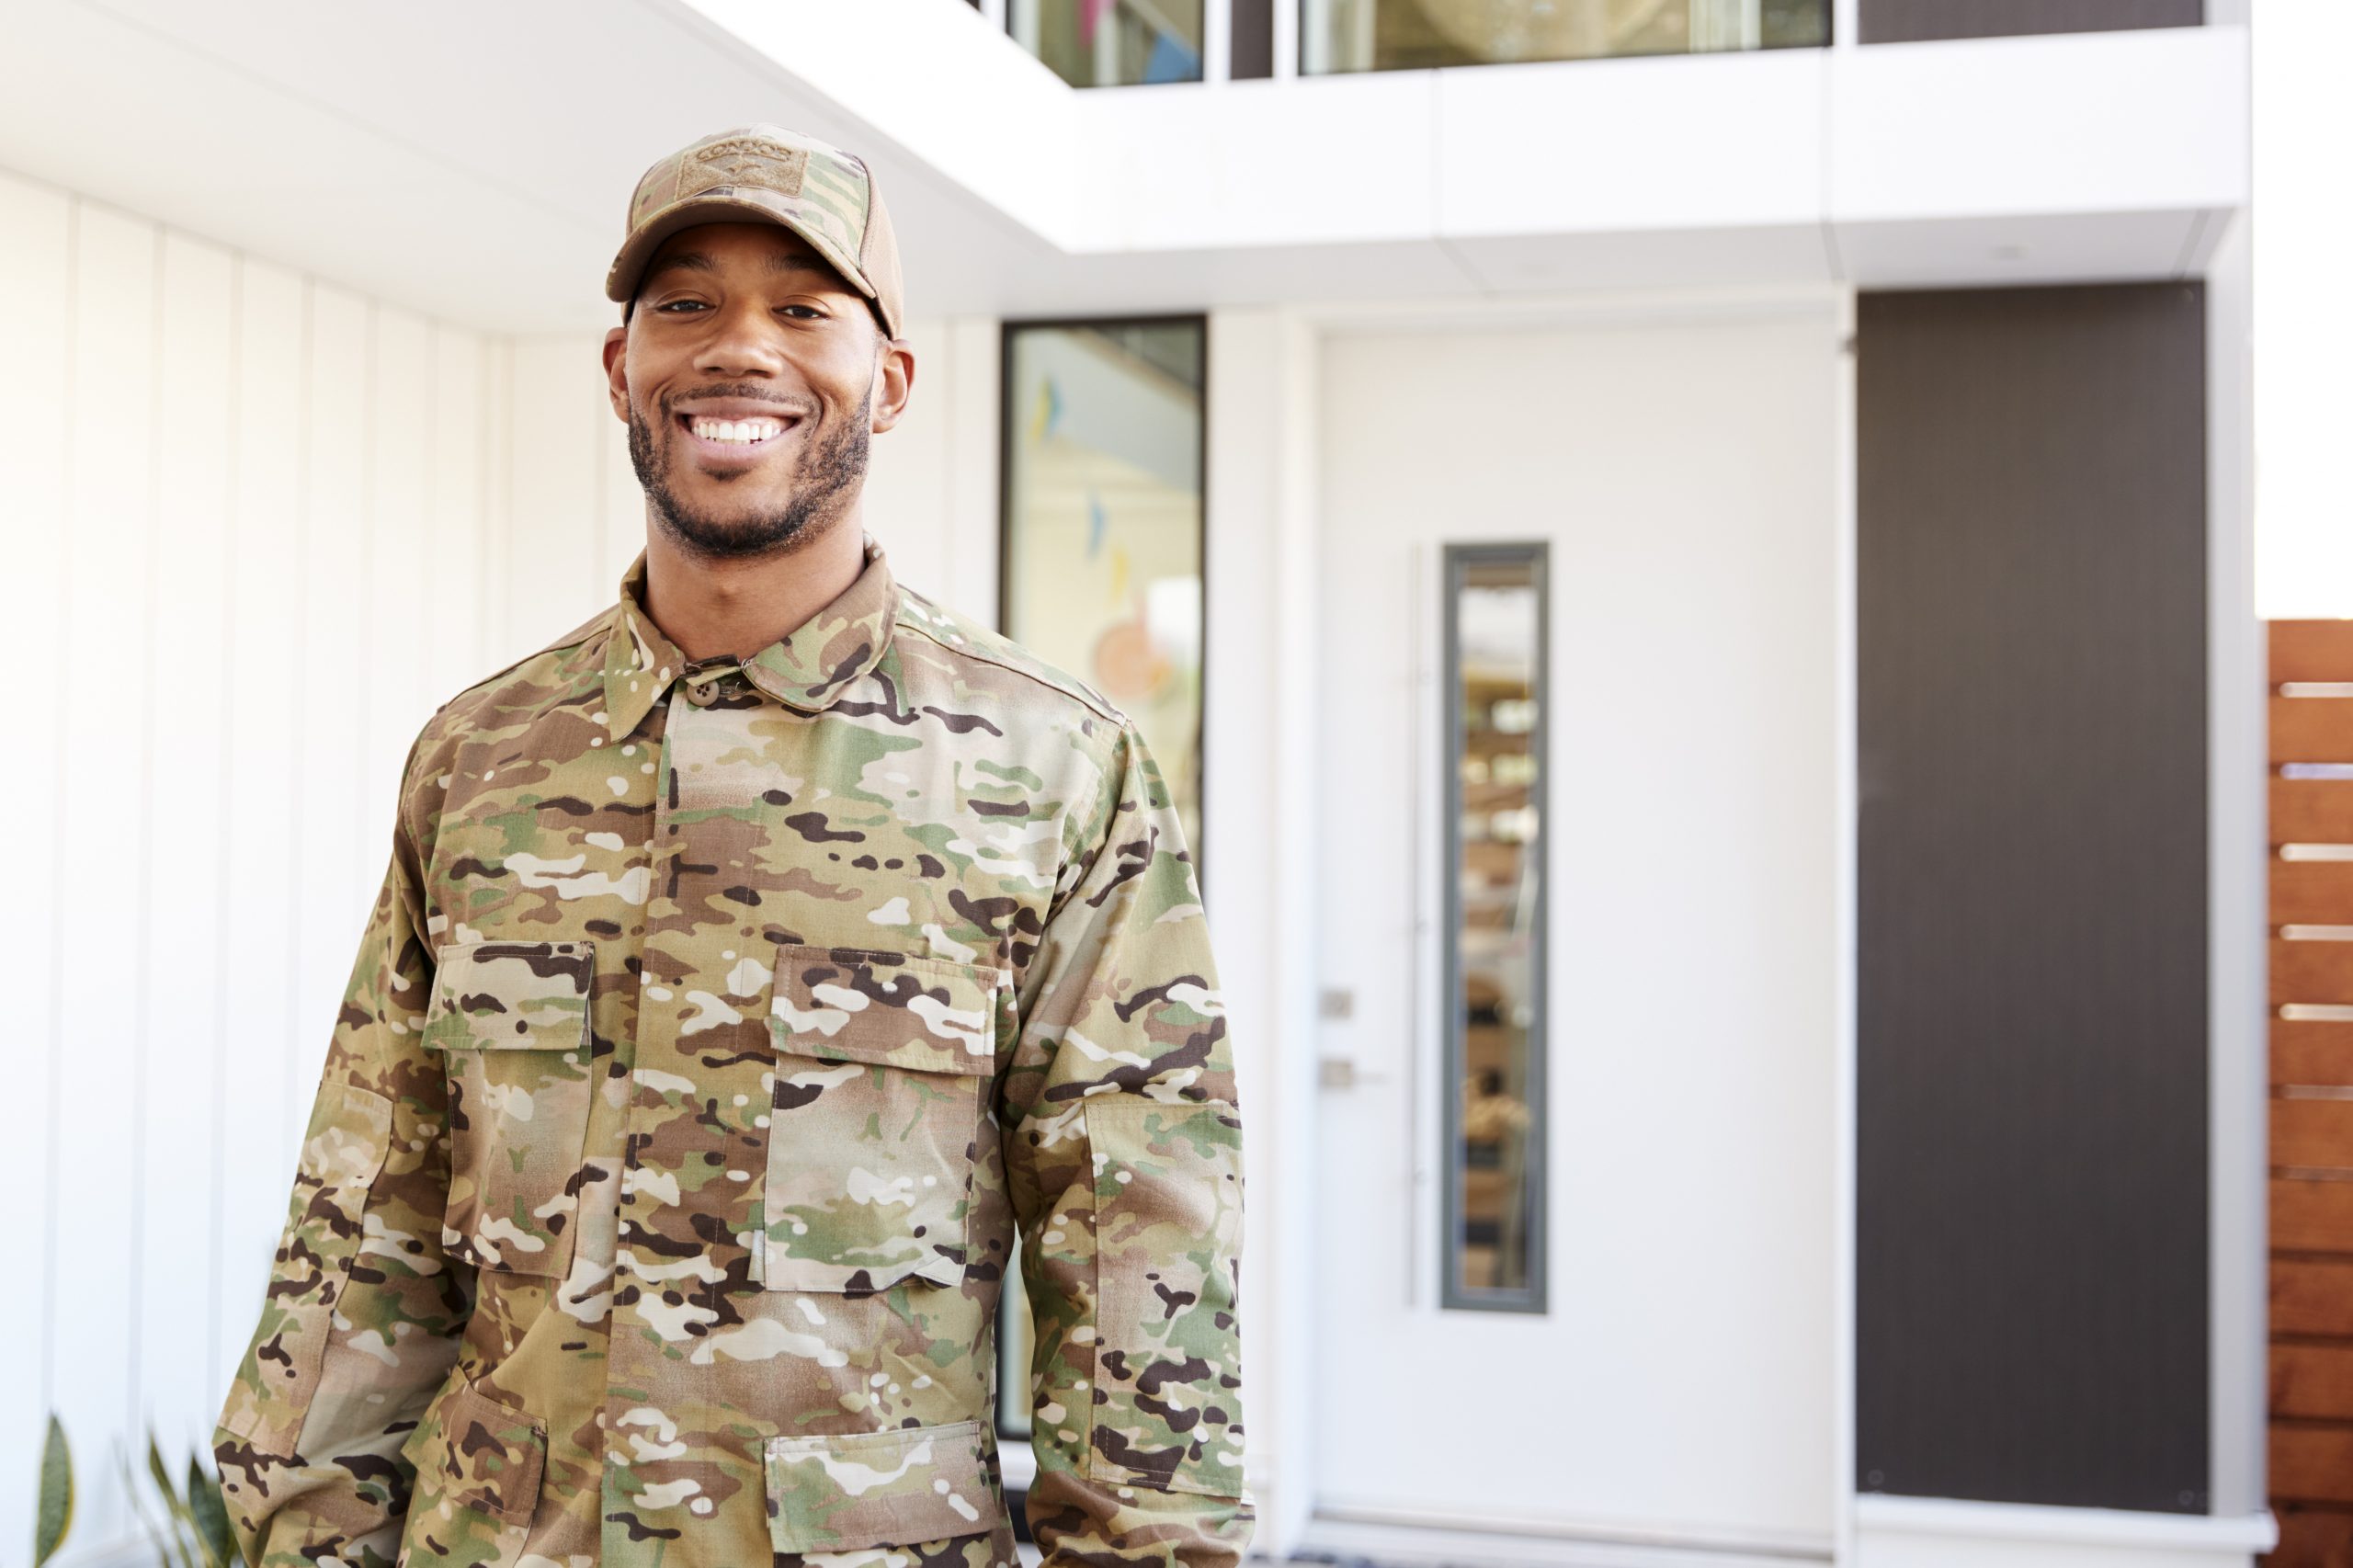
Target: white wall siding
261	527
250	516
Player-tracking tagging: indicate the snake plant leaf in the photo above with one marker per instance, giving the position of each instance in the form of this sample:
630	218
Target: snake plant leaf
211	1511
172	1537
55	1514
163	1477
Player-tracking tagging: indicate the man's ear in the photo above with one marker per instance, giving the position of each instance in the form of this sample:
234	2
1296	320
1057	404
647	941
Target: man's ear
894	382
617	372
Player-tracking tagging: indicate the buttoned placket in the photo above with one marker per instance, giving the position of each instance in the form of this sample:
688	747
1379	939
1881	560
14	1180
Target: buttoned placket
657	1291
736	740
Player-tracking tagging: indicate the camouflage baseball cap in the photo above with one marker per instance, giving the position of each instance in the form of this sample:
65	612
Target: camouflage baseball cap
823	194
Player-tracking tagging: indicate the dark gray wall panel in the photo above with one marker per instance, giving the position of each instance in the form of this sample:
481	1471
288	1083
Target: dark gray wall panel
1908	21
1251	52
2031	1218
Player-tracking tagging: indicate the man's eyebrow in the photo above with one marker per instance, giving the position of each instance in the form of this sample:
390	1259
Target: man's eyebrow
701	261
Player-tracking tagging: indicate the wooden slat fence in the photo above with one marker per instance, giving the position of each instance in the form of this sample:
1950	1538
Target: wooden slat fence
2310	918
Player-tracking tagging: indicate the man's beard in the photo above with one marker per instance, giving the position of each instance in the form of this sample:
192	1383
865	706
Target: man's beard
827	477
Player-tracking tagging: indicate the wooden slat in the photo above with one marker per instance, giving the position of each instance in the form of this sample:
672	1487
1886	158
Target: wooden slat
2312	1216
2305	1052
2312	810
2311	650
2311	893
2312	1379
2314	1463
2312	1296
2311	728
2311	1537
2313	1132
2312	971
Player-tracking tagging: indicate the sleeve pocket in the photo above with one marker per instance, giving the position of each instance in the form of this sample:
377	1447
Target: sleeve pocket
342	1149
1167	1406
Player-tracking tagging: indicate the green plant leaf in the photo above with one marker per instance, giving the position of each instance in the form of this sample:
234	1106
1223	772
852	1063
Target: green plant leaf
211	1512
163	1477
169	1546
138	1504
55	1514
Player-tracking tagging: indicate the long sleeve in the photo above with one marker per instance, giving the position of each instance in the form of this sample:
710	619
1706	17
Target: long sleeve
361	1321
1122	1144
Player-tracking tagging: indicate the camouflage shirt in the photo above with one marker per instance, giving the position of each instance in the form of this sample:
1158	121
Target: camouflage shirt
719	1025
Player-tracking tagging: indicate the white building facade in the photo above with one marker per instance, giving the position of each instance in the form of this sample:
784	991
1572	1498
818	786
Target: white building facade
1728	405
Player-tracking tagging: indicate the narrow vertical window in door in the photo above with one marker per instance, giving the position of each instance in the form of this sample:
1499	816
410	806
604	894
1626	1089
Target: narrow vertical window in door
1493	929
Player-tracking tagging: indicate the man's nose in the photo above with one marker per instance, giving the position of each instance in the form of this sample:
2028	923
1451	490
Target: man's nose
742	342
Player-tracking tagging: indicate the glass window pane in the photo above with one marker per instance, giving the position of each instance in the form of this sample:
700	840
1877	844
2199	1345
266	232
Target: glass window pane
1495	925
1111	44
1103	524
1395	35
1102	539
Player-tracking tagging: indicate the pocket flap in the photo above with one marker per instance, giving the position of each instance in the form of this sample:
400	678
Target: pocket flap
889	1009
510	995
851	1490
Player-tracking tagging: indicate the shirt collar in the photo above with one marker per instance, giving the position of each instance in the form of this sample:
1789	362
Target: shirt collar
822	657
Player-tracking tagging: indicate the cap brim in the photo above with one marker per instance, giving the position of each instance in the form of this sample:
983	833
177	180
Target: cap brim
709	207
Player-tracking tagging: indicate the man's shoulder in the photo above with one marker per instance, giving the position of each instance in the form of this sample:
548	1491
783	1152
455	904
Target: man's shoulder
960	637
512	696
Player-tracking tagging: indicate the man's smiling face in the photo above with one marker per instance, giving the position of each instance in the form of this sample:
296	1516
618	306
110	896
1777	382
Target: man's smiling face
751	374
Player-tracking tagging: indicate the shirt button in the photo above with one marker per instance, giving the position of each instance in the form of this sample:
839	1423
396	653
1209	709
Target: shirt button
703	694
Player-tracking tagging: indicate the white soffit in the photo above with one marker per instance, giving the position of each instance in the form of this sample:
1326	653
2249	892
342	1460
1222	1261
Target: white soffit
471	161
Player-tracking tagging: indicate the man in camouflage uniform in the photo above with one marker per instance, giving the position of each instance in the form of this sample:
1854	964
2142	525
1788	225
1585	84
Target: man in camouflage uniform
751	962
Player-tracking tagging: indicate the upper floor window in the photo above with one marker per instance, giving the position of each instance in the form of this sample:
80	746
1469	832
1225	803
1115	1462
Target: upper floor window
1111	44
1401	35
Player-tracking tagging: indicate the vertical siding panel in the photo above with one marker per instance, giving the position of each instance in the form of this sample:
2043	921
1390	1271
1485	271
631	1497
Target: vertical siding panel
450	634
34	260
553	582
331	877
263	730
399	575
498	507
184	674
95	1040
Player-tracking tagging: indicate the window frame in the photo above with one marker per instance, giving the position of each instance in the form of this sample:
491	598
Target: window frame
1009	328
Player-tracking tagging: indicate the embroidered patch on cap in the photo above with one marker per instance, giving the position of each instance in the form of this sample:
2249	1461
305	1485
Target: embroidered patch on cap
745	160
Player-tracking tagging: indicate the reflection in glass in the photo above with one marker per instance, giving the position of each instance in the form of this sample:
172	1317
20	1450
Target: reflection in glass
1495	928
1395	35
1111	44
1102	526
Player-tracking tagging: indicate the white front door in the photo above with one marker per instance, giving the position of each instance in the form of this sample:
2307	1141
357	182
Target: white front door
1678	1381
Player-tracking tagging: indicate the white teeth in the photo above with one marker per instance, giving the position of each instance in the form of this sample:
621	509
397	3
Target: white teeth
743	430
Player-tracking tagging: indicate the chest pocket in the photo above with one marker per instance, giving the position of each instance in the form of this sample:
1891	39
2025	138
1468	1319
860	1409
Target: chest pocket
511	1019
883	1063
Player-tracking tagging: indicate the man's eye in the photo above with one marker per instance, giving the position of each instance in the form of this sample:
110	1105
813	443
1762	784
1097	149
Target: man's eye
679	304
814	313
